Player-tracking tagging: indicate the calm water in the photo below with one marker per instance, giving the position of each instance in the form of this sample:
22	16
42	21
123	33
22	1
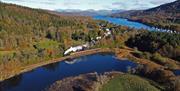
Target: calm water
123	22
132	24
42	77
177	72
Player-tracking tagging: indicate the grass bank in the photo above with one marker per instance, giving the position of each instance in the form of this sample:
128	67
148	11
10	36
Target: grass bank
27	68
128	83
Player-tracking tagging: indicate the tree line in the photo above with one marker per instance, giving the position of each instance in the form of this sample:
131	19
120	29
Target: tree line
166	44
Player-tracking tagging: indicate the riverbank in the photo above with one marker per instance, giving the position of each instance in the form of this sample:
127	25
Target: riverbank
150	26
83	82
34	66
155	27
109	81
150	70
124	53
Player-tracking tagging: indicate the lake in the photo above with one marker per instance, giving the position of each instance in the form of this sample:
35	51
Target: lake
42	77
131	24
177	72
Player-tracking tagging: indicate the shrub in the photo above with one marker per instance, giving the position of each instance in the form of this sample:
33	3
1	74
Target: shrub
164	43
147	55
128	83
158	58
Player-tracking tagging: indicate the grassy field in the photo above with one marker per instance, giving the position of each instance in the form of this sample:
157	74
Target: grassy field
47	44
128	83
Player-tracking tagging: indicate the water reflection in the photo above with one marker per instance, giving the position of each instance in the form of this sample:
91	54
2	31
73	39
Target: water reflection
73	61
177	72
42	77
51	67
85	58
10	83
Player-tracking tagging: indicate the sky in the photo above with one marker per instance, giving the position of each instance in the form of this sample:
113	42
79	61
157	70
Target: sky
89	4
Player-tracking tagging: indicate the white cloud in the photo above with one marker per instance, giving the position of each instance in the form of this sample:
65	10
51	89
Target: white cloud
157	2
89	4
139	4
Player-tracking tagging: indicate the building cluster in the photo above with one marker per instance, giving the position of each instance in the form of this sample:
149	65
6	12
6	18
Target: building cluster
164	30
107	33
88	44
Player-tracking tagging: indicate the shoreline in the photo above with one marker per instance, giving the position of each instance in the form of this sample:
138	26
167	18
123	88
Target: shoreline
145	23
120	53
74	55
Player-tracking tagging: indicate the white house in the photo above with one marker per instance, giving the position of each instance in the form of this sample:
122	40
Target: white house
107	33
86	45
175	31
98	38
107	29
77	48
73	49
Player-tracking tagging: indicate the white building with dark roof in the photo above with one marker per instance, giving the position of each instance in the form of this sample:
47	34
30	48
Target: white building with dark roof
73	49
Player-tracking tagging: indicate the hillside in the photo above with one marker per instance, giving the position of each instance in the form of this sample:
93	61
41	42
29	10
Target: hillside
27	25
29	36
20	27
164	16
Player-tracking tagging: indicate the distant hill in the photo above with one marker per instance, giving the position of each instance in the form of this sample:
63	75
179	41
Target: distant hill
173	7
163	16
90	12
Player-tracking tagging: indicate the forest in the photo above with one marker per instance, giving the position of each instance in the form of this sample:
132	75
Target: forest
29	36
163	43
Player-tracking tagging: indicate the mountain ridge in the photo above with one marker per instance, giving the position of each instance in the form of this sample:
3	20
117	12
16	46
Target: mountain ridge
89	12
164	16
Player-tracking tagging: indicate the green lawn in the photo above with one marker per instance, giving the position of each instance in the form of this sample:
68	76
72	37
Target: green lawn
128	83
6	52
46	44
